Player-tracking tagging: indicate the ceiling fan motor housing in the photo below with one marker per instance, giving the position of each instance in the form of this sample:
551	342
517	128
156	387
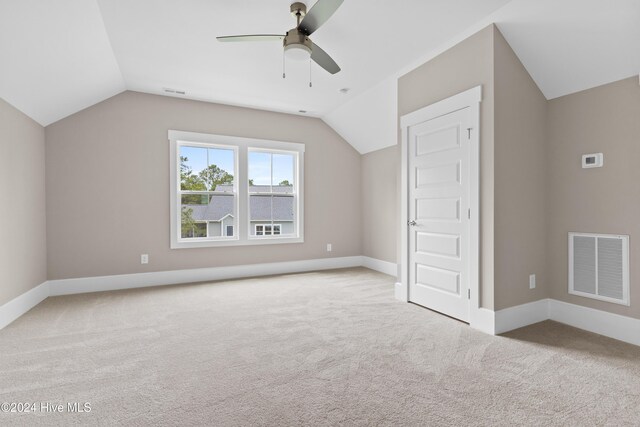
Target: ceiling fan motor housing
295	39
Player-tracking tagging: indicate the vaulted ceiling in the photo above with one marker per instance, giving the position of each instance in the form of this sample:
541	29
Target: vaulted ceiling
61	56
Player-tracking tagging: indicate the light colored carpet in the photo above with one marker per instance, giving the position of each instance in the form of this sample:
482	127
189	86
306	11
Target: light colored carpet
324	348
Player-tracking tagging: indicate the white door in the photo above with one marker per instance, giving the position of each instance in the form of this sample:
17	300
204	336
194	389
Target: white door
439	201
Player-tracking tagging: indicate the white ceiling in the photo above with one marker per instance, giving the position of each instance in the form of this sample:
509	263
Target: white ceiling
566	46
67	54
55	57
59	57
572	45
168	43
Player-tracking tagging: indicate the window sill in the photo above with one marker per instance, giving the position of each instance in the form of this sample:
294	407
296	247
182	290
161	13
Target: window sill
252	241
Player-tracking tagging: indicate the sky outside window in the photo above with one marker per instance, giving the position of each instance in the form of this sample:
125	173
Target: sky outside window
260	168
197	158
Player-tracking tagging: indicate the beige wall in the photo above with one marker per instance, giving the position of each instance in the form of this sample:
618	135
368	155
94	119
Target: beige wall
108	186
379	204
107	181
533	190
605	200
466	65
520	181
23	260
512	159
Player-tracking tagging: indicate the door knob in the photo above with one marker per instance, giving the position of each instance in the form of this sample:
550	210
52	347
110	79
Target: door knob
412	223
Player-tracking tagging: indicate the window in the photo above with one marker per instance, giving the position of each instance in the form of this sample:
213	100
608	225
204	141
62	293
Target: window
207	189
272	193
234	191
267	230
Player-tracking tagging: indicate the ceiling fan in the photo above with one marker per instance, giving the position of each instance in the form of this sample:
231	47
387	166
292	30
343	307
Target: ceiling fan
296	42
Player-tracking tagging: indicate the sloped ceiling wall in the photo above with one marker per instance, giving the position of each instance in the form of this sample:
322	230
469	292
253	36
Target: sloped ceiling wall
61	57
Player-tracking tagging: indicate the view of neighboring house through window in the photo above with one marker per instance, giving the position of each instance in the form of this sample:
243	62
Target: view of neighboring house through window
267	230
234	191
271	193
207	191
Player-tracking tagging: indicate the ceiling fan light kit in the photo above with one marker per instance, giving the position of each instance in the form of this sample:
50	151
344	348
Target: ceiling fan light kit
296	42
297	45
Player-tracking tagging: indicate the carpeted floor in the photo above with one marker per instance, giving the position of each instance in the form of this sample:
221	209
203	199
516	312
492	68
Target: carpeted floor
324	348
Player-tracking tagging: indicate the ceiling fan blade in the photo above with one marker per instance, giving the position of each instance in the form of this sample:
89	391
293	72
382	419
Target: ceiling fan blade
251	38
318	15
323	59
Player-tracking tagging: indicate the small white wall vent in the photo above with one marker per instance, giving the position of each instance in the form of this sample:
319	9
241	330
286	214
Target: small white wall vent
599	266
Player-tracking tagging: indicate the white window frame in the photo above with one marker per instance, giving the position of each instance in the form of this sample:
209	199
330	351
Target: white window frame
241	188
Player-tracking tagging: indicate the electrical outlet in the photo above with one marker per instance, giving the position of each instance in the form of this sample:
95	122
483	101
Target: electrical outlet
532	281
144	259
329	248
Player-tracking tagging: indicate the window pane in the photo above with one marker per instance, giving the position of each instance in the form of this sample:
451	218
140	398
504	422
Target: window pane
259	170
283	173
259	212
206	169
194	230
196	199
271	209
271	188
214	211
192	161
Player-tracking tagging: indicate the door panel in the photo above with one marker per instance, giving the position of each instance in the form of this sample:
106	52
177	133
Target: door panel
439	196
438	278
440	140
435	175
438	209
438	244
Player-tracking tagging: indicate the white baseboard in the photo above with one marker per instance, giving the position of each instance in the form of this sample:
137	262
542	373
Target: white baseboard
483	320
622	328
23	303
611	325
400	292
386	267
174	277
521	315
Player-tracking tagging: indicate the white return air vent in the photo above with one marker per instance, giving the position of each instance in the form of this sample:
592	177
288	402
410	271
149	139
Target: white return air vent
599	266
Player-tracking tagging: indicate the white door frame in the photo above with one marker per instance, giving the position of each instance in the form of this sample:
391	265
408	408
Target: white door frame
479	318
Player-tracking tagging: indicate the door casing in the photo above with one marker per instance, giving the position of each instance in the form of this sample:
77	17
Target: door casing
479	318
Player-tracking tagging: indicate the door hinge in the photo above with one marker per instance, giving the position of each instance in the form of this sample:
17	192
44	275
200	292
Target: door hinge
469	293
469	213
469	133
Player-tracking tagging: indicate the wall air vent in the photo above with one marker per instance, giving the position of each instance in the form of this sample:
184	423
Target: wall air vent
176	91
599	266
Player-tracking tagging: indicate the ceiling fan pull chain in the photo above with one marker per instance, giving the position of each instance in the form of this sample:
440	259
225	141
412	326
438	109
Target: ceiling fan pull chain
283	67
310	84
